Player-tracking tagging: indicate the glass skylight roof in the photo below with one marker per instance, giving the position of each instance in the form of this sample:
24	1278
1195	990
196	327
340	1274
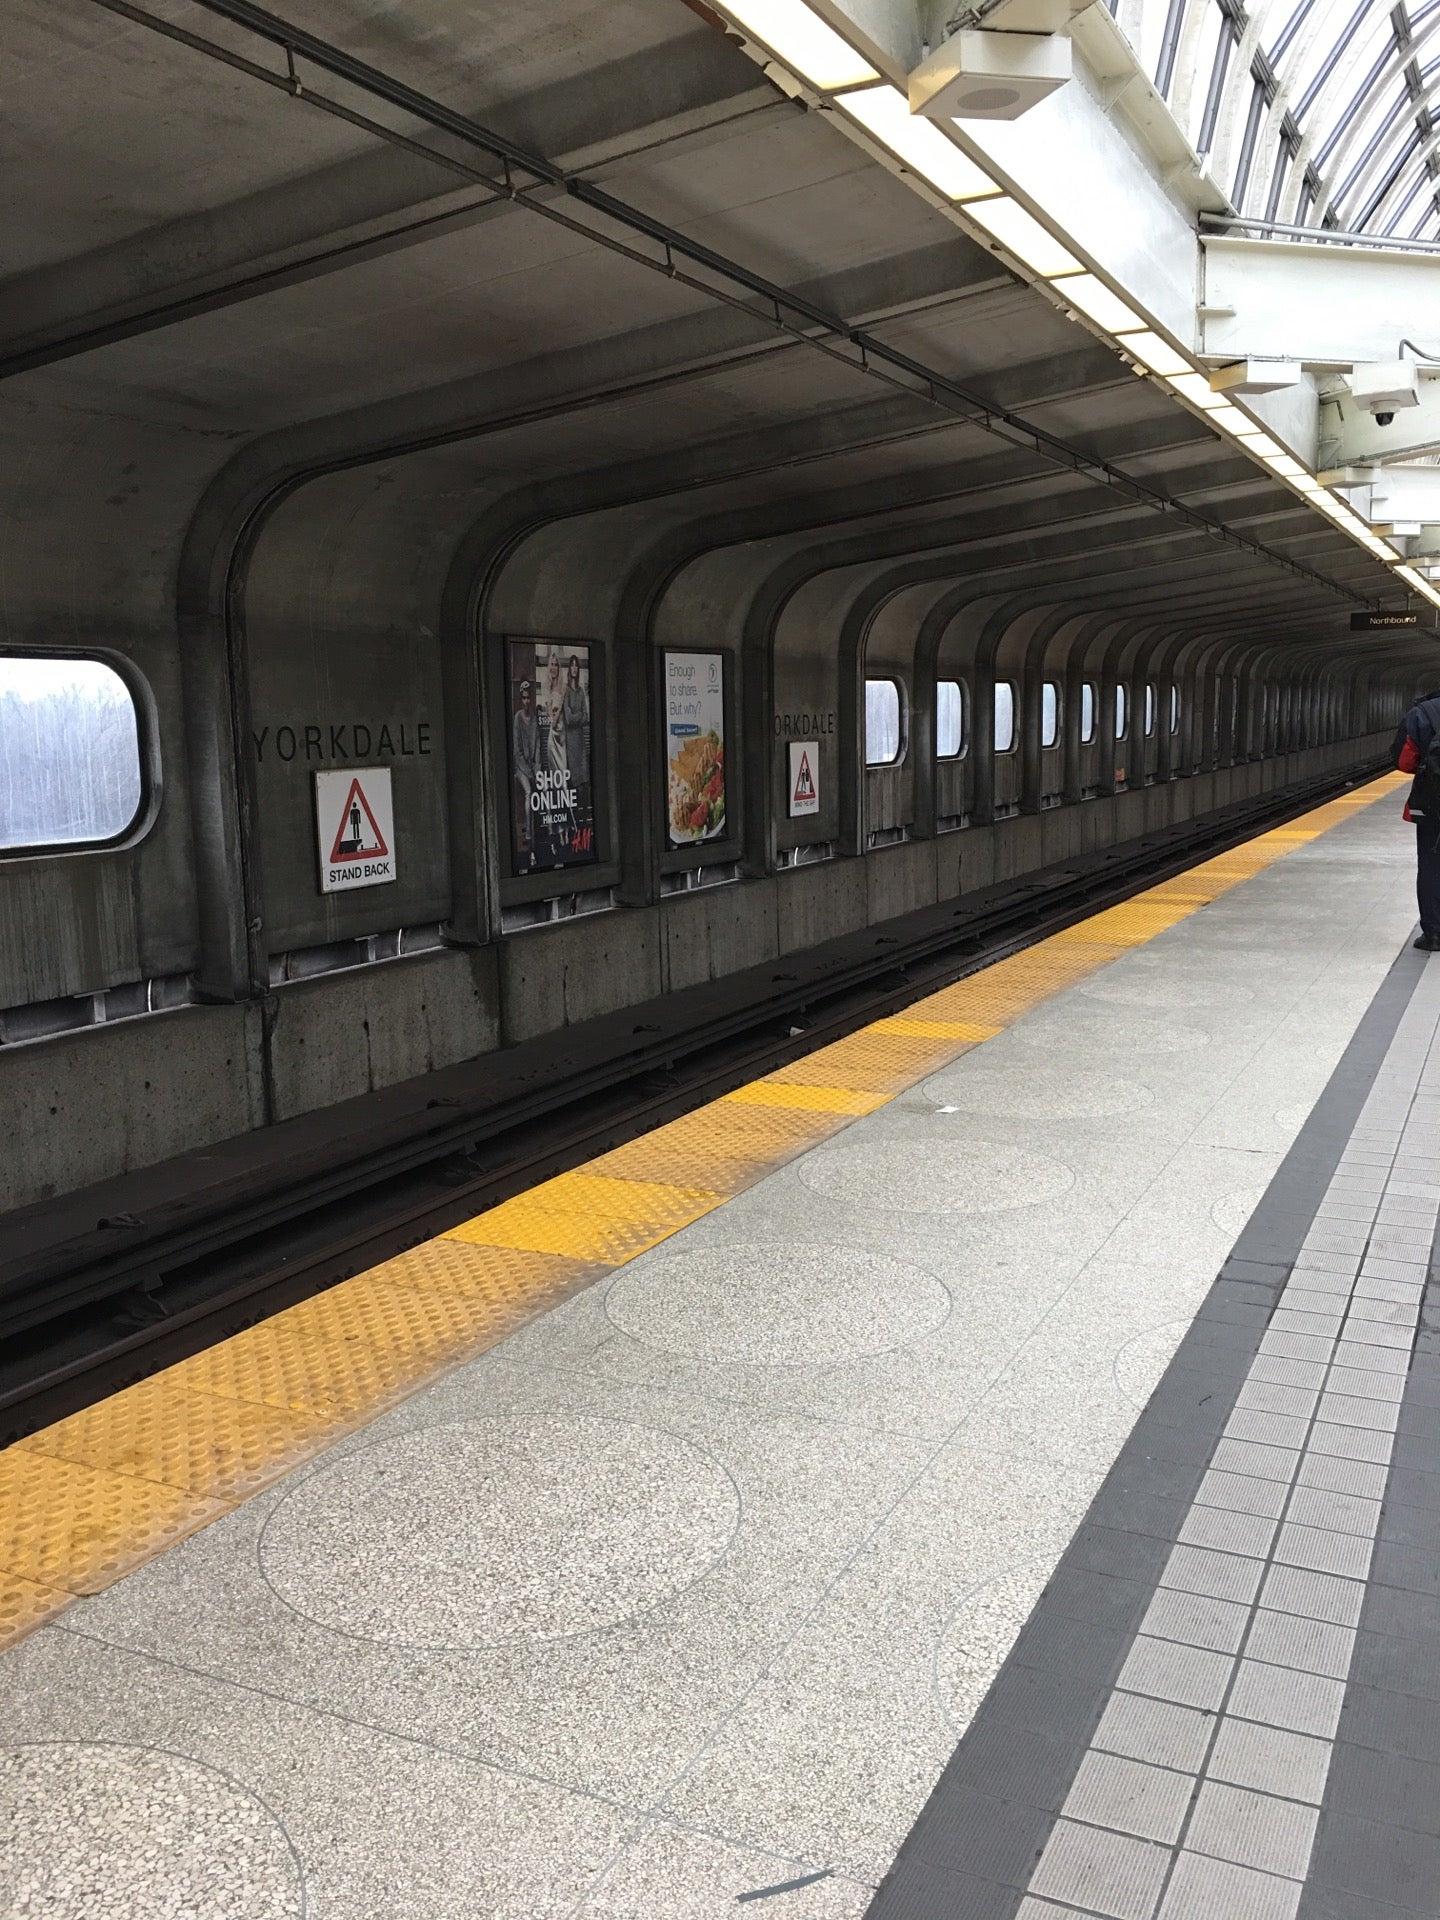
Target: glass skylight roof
1312	113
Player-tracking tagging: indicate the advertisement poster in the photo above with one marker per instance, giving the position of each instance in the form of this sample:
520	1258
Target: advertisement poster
551	758
695	747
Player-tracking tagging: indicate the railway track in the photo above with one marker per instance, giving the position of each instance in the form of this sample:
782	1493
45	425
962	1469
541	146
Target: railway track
119	1280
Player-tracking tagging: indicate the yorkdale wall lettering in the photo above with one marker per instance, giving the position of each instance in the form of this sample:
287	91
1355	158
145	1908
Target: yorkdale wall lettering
349	740
804	726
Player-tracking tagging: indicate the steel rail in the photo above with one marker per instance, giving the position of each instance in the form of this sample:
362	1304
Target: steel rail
84	1315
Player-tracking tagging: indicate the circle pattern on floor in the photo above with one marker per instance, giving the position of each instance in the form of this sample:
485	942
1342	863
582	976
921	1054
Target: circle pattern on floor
792	1306
893	1176
100	1832
1231	1211
1114	1035
1264	936
489	1532
1140	1364
1164	995
979	1634
1018	1088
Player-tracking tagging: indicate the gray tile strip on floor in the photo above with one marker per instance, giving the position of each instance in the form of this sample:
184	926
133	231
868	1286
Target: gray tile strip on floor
1226	1703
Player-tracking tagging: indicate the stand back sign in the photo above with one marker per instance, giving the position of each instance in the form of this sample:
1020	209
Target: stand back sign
354	828
804	778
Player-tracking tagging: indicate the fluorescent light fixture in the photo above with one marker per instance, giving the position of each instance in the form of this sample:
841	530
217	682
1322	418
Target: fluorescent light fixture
1021	233
1230	418
1156	354
803	41
1195	388
1307	483
1284	464
1421	585
919	144
1095	299
1261	444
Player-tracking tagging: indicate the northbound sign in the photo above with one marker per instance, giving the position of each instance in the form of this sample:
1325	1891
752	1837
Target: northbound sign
1381	622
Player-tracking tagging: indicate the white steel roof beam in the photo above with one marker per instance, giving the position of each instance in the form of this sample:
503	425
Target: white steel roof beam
1325	306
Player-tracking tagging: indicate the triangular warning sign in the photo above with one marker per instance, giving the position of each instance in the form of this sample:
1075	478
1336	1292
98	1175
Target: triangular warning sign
358	835
804	780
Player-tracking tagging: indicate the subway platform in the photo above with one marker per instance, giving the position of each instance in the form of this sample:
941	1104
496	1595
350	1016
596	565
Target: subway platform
859	1497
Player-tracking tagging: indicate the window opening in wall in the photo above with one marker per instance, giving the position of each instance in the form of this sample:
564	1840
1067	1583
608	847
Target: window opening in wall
805	856
1049	714
1004	716
1087	712
723	873
71	773
1149	709
882	723
949	720
1122	712
530	914
1174	709
308	963
41	1019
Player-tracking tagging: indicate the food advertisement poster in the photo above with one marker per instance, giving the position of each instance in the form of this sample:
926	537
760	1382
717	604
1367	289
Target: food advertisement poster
551	760
695	747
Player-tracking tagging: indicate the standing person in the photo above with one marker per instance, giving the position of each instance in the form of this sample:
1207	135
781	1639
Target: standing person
524	750
1417	751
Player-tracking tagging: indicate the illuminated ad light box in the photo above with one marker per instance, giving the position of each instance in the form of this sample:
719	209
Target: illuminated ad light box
694	748
551	738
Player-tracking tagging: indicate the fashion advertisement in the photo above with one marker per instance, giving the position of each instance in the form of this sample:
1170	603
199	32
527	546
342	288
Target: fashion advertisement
695	747
551	760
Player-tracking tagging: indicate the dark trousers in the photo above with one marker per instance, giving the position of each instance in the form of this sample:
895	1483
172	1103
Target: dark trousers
1427	873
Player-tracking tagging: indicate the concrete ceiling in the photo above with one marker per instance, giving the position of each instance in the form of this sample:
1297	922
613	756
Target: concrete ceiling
214	290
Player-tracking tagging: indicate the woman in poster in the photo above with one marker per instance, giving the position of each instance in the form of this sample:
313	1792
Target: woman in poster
524	750
575	708
555	714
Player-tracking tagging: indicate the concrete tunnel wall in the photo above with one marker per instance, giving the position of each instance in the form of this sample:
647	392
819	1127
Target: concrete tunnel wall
348	592
406	421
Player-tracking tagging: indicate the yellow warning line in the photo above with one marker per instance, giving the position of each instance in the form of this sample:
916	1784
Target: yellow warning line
94	1496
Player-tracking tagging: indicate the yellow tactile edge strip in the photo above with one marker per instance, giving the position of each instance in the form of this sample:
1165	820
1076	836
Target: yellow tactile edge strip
92	1497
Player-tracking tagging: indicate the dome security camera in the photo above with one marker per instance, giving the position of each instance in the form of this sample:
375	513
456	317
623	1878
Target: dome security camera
1383	387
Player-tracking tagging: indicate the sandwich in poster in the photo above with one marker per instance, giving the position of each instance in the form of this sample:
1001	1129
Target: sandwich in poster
695	747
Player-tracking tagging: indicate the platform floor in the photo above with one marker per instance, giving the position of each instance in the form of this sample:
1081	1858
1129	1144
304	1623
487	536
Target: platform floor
821	1545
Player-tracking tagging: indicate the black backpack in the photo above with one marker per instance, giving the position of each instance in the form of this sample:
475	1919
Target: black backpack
1427	774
